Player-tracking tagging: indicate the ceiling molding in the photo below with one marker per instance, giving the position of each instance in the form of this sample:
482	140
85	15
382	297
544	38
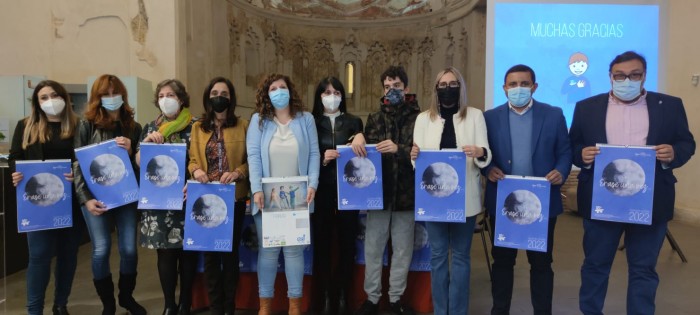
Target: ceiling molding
437	18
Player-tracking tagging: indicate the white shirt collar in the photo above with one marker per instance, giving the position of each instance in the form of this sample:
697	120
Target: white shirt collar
527	108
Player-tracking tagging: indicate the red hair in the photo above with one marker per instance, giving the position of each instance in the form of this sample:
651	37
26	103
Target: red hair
98	115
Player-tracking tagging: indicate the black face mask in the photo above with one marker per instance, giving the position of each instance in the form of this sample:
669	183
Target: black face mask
448	95
219	103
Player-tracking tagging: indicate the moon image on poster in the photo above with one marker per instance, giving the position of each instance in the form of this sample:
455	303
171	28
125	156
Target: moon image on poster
107	169
522	207
360	172
623	177
209	211
420	238
162	171
44	189
440	180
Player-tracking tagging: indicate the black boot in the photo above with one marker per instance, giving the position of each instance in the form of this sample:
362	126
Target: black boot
105	289
330	302
184	310
170	311
343	305
60	310
127	283
185	303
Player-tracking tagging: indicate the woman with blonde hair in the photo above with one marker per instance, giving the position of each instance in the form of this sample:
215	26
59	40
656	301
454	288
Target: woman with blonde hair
47	134
450	124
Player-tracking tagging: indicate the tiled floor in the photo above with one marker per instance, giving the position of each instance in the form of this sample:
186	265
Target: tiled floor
677	294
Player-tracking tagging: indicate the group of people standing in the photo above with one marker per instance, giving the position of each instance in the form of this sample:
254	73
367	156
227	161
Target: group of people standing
521	137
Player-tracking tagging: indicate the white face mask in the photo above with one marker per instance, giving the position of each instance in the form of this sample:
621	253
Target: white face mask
53	106
331	102
169	106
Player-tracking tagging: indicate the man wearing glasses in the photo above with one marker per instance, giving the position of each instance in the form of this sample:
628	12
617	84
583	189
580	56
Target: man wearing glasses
527	138
627	115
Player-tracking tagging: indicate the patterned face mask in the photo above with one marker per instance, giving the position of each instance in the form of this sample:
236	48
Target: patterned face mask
394	97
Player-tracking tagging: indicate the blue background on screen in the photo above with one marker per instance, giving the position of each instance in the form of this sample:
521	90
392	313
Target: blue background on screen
544	36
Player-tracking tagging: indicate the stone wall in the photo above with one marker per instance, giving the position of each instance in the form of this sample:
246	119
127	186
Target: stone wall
262	41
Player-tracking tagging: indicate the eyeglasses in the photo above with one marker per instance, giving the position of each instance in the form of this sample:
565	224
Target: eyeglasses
444	85
636	76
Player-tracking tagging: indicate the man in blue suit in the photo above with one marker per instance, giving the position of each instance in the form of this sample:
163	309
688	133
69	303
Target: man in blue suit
627	115
526	138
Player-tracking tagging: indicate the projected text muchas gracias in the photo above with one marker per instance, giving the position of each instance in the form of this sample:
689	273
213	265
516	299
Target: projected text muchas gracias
576	30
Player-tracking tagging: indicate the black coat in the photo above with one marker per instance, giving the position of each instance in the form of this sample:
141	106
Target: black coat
346	126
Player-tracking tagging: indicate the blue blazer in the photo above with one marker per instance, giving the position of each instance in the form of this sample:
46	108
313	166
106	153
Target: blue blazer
550	149
258	141
668	124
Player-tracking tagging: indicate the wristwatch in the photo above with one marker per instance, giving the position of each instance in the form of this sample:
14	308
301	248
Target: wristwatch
485	156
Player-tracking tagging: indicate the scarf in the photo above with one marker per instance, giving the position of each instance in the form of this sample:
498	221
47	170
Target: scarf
167	128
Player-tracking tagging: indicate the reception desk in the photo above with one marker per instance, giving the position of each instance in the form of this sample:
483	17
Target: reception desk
417	293
16	243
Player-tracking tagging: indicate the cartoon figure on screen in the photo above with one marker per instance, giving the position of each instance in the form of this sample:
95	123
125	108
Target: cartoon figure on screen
576	87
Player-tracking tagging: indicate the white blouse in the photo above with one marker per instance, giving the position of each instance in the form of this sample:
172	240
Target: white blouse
284	152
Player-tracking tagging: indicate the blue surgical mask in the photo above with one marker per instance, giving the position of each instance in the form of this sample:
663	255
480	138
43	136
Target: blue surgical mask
519	96
112	103
394	96
627	90
279	98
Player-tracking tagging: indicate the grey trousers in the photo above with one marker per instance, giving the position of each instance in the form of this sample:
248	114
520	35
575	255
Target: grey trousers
380	225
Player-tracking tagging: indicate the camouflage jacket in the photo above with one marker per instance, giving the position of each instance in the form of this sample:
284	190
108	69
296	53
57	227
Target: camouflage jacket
395	124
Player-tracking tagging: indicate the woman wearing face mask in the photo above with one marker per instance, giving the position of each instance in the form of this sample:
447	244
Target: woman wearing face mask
109	116
218	153
282	141
335	126
47	134
163	229
450	124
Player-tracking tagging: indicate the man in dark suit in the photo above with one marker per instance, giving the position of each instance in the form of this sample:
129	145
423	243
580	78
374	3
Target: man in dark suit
627	115
526	138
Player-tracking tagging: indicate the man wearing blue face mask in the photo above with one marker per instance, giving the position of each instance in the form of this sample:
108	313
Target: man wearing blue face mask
627	115
528	138
391	129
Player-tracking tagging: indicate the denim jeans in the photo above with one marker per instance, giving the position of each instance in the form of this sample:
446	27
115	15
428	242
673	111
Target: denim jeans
267	266
124	218
642	246
43	245
450	284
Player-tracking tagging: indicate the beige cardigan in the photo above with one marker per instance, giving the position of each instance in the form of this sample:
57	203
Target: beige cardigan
427	134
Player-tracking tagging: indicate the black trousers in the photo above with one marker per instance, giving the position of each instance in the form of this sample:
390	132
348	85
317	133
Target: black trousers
333	237
221	269
541	275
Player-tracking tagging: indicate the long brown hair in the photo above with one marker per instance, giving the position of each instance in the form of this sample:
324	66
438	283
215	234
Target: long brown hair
434	108
36	126
209	115
263	105
98	115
